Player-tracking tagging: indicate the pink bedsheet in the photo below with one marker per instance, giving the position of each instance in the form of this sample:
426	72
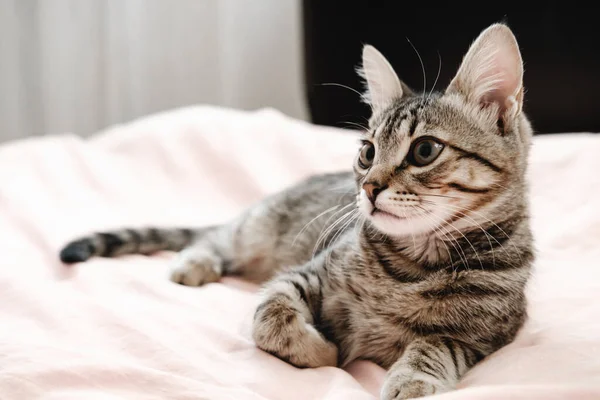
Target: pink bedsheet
118	329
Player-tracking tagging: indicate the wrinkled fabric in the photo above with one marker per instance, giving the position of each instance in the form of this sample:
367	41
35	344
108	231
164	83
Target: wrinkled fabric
119	329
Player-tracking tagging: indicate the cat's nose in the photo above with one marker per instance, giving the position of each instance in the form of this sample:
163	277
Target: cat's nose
373	189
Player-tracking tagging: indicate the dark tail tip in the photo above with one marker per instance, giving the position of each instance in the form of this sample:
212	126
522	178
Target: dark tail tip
78	251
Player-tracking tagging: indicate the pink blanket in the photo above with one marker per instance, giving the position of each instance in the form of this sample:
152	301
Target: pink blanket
118	329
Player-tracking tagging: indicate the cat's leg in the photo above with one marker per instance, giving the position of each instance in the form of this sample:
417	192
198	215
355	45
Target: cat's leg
428	365
246	247
284	322
205	260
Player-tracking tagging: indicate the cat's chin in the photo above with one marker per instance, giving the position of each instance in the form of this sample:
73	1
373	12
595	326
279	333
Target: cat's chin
402	225
399	226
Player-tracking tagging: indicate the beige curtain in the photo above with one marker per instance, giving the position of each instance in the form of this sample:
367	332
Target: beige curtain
81	65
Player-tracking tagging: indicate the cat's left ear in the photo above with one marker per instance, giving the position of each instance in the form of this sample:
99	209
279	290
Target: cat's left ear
383	84
492	72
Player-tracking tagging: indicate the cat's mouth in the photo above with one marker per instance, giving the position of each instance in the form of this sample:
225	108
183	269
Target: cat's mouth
385	214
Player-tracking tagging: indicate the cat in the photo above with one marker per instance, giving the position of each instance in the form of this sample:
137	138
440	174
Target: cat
425	267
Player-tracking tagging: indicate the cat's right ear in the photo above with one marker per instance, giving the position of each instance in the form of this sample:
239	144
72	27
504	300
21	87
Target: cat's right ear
383	85
492	72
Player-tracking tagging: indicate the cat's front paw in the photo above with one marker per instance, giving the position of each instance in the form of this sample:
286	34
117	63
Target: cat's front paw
409	388
196	267
281	330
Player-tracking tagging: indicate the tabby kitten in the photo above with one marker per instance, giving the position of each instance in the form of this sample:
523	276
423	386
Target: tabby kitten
424	270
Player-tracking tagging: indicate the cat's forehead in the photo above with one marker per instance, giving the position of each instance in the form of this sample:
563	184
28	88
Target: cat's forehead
411	117
395	128
407	119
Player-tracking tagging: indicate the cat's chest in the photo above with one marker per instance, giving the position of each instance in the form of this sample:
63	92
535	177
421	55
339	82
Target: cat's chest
368	319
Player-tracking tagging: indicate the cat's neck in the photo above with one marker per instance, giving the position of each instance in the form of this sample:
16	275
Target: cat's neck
437	250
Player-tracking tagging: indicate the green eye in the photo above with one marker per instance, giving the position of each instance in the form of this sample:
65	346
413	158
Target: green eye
366	155
424	151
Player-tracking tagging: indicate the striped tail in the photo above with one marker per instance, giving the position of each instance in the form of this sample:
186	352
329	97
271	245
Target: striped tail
126	241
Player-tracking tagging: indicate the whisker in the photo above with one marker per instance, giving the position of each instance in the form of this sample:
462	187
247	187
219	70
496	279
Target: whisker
326	227
341	230
470	244
487	235
373	232
337	225
311	221
438	74
442	195
453	241
362	219
362	127
499	185
323	236
340	233
437	230
340	85
422	67
460	210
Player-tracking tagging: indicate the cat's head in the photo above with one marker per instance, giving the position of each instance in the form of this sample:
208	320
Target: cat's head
453	159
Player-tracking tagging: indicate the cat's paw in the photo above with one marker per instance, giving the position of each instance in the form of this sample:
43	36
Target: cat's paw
400	389
282	331
196	267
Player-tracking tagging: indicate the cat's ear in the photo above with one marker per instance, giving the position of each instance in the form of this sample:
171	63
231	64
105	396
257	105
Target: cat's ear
383	85
492	72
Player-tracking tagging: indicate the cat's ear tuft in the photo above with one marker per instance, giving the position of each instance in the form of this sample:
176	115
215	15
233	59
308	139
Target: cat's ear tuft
492	72
383	85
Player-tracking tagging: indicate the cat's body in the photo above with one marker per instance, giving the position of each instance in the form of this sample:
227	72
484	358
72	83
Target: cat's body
417	261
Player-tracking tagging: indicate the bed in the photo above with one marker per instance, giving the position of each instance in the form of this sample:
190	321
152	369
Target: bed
119	329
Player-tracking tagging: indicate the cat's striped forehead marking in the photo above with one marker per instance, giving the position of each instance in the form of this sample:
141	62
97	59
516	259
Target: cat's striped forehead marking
394	133
400	122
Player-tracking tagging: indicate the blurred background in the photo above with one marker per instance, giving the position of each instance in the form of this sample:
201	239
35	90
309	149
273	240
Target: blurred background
83	65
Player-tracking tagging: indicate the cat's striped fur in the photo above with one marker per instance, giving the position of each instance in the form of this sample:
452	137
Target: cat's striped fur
420	267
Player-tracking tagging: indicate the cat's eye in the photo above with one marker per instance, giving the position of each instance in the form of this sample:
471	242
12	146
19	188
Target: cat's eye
366	155
424	151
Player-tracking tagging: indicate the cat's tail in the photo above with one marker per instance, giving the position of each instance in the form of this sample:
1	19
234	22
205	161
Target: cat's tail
127	241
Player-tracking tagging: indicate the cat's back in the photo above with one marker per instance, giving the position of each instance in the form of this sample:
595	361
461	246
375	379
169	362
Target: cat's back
304	219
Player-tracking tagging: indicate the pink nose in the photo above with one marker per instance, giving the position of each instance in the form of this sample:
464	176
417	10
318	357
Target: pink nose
373	189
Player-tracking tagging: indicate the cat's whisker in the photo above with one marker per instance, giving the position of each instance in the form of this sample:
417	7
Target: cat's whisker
470	244
311	221
362	127
372	232
499	185
336	213
487	235
341	232
467	209
360	224
323	236
453	241
437	76
436	230
326	227
448	236
343	227
340	85
459	210
422	67
442	195
333	226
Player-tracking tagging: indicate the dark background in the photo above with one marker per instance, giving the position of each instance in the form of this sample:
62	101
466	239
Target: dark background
559	44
